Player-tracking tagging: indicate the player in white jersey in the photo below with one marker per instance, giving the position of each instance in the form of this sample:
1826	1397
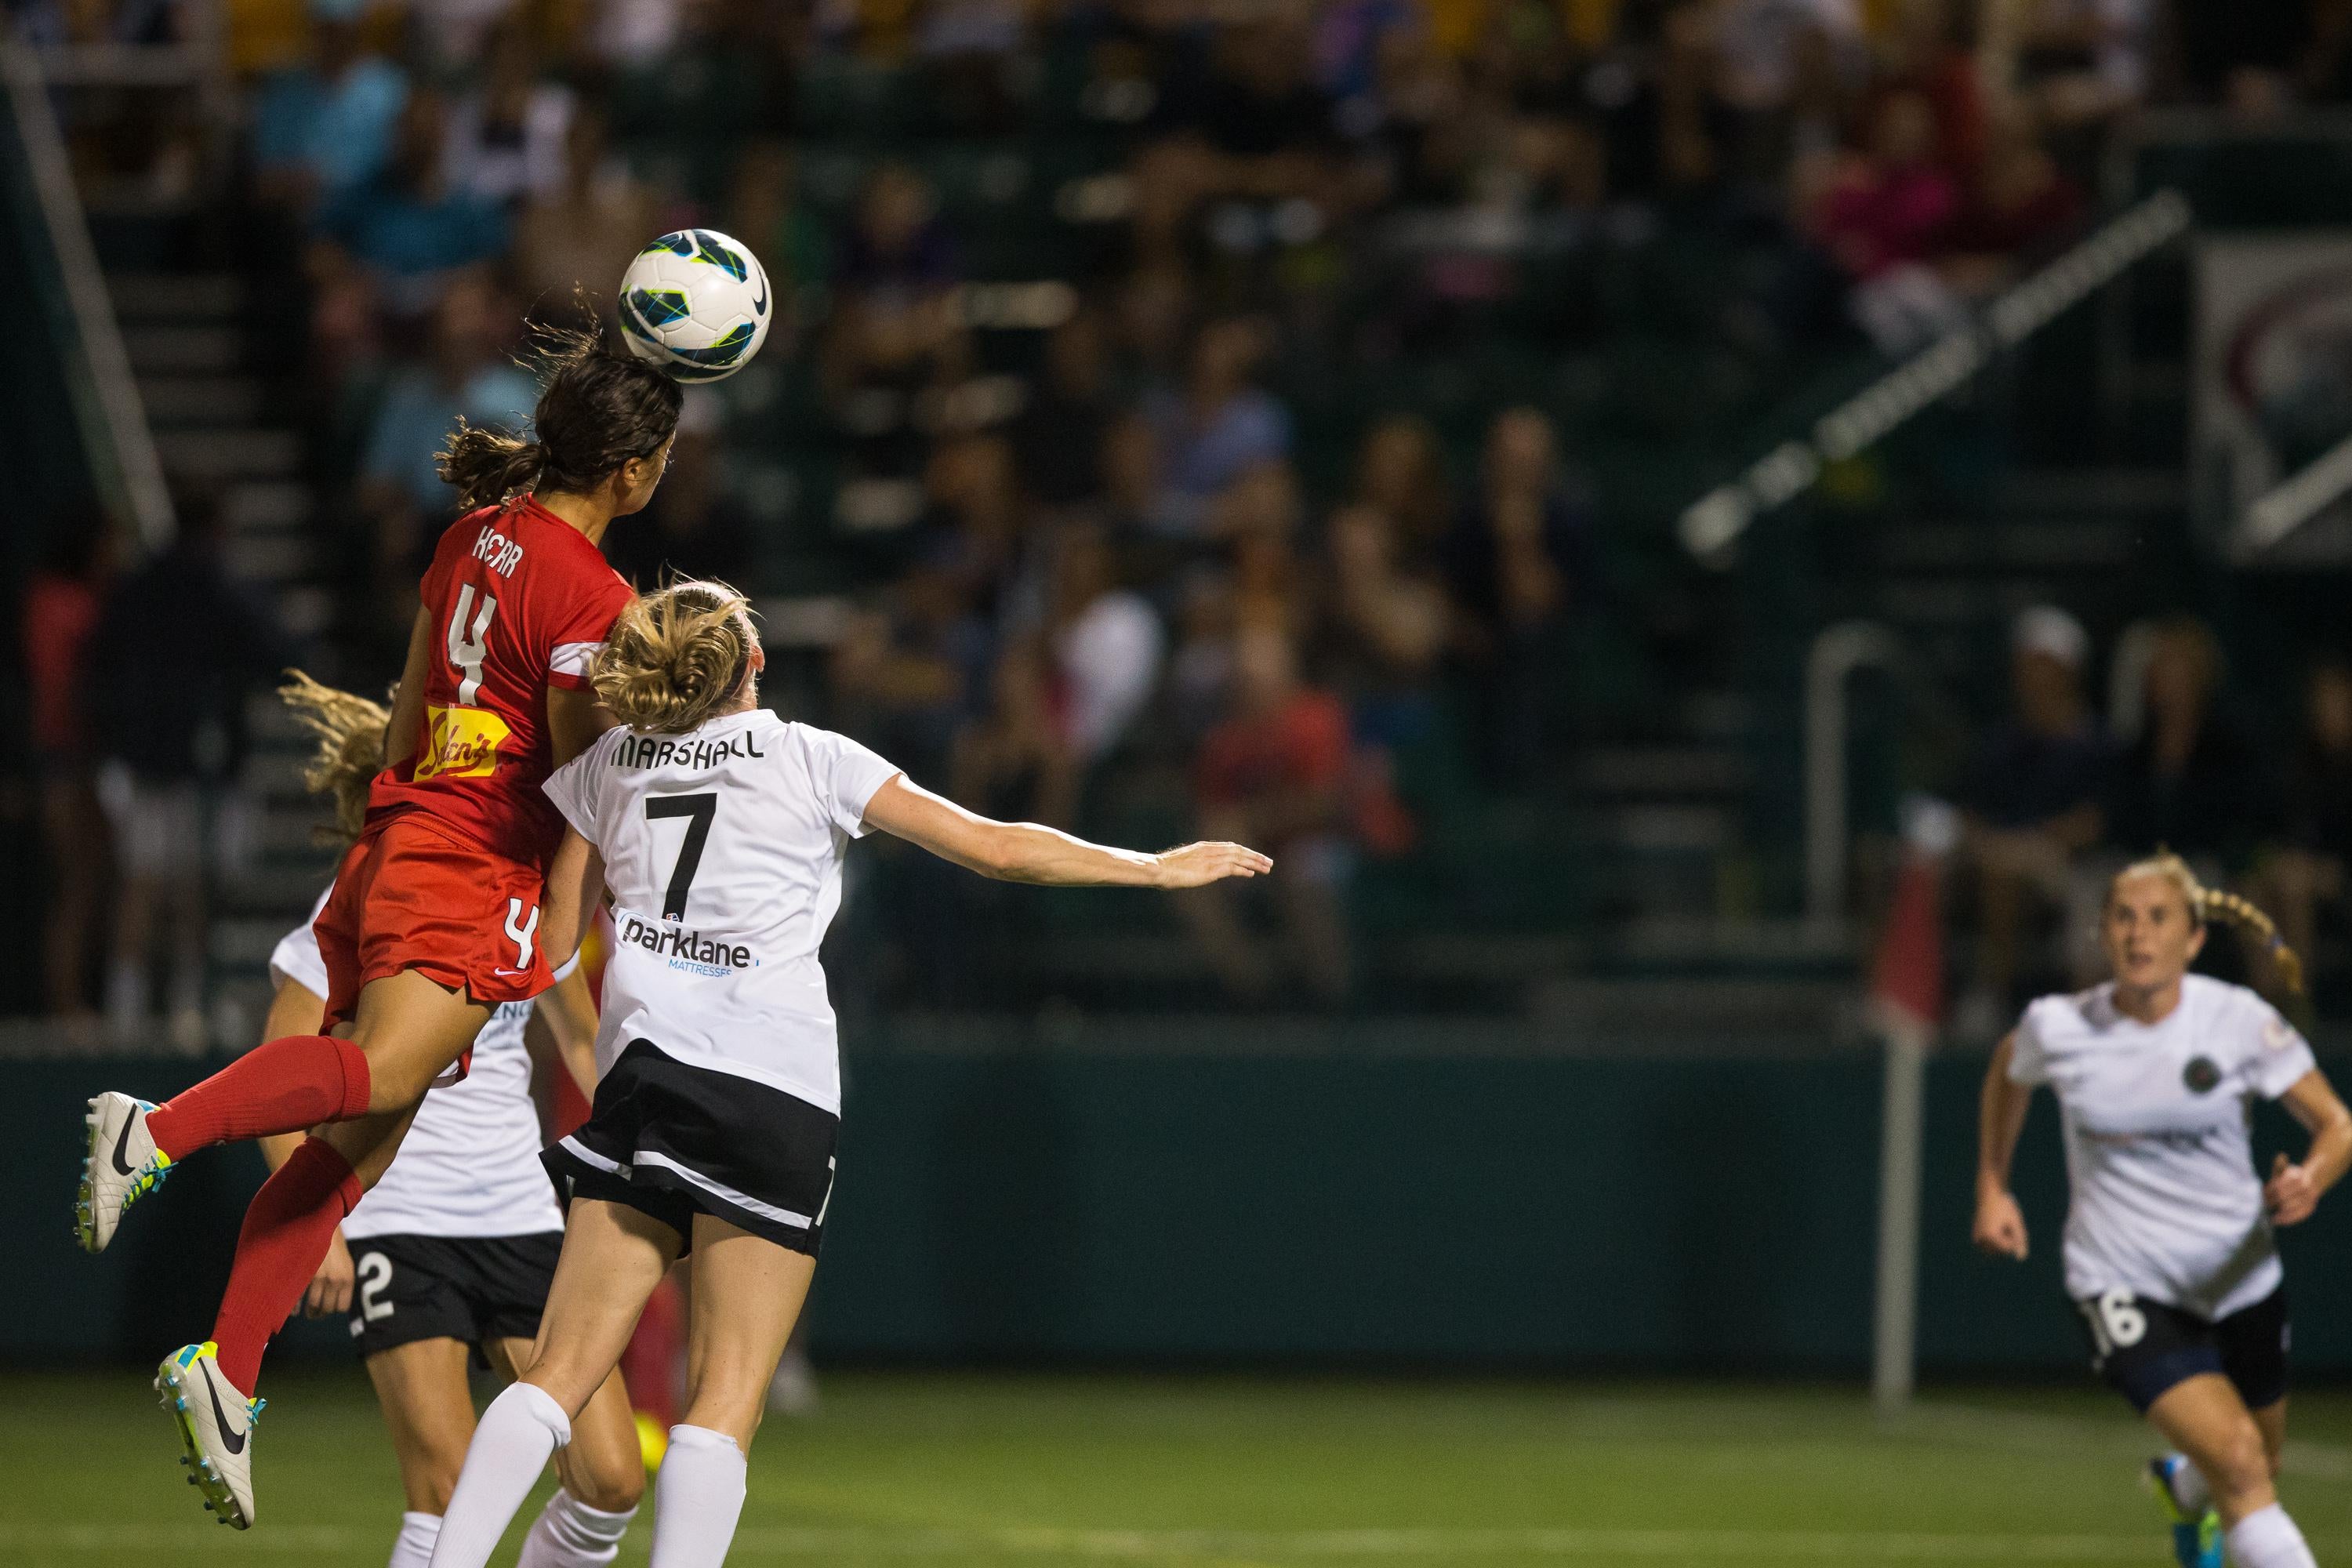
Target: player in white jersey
2168	1250
451	1253
719	831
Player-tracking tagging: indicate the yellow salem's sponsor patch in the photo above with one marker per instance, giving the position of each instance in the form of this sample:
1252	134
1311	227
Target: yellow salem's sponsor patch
461	743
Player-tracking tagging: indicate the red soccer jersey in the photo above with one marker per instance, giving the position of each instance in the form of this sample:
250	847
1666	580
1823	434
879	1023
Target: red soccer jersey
519	601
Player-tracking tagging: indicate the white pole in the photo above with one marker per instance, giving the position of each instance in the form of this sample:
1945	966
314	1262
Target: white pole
1894	1348
1836	653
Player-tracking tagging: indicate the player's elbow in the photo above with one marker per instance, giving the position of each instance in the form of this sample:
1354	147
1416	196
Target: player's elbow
1001	854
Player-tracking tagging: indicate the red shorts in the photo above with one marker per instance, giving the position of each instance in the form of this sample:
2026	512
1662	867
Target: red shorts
411	894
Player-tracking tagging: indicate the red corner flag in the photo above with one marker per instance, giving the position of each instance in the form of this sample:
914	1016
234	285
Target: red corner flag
1906	976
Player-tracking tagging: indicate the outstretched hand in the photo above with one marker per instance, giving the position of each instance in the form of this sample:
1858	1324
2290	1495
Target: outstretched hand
1197	864
2290	1194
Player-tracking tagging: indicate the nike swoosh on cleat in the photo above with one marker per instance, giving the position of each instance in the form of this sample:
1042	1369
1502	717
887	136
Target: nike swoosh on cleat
233	1441
121	1138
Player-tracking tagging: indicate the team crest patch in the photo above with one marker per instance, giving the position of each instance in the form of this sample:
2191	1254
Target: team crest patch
2201	1075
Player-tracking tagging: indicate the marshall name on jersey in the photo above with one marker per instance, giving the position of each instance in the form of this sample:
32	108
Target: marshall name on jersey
2164	1202
722	851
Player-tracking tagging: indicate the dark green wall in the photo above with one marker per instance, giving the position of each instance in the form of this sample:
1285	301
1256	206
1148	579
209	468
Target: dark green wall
1102	1201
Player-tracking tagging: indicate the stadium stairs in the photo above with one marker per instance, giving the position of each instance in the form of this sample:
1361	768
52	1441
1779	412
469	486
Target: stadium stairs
209	384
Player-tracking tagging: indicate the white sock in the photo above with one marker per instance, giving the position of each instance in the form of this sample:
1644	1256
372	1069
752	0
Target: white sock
520	1430
2188	1488
413	1547
697	1497
2265	1538
568	1533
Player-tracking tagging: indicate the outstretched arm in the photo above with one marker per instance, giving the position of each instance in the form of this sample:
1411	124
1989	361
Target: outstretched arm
1999	1226
1024	852
2294	1190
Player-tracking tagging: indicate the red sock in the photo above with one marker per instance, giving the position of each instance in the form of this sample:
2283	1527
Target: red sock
287	1085
287	1229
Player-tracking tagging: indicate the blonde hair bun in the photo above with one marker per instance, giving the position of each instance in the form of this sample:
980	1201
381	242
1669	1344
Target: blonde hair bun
675	657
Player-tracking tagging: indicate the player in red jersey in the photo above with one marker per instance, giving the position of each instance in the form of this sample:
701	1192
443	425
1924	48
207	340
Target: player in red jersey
435	917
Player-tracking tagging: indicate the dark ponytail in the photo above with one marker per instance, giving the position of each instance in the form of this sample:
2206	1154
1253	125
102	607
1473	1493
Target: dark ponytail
597	410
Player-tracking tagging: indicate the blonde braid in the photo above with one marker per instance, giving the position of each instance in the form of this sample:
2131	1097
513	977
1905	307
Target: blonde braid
2211	906
2230	909
349	751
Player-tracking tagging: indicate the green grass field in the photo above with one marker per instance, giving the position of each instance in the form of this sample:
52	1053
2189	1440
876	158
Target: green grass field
1239	1473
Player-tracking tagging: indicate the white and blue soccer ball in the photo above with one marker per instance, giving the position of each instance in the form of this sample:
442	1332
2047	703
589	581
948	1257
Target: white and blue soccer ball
695	303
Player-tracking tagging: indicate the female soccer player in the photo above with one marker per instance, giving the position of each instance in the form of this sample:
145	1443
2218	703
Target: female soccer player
718	829
453	1251
2170	1256
434	921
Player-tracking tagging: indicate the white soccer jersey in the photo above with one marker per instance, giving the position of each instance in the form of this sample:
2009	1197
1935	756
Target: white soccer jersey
722	851
2165	1200
469	1165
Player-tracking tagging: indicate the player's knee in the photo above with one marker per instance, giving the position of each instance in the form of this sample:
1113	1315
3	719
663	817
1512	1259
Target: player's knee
2240	1464
431	1480
610	1487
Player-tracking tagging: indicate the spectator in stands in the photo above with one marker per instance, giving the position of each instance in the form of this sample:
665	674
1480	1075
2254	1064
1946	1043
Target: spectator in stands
584	233
2193	782
898	337
1889	214
2081	60
2307	875
1401	473
977	522
766	212
693	527
1220	425
325	126
1059	436
180	645
467	375
913	672
1015	763
1266	130
1383	630
409	231
508	135
1276	773
63	598
2021	203
2032	800
1107	643
1519	565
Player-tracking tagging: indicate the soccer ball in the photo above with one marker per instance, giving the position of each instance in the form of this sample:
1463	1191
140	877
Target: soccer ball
695	303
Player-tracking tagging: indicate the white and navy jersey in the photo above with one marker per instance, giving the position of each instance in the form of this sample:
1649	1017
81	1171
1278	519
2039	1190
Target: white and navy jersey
722	851
469	1165
2165	1200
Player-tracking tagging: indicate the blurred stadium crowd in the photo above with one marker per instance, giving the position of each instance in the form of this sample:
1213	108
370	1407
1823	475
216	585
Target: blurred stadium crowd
1183	416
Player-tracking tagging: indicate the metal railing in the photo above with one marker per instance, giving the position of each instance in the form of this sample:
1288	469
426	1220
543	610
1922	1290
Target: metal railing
105	395
1711	525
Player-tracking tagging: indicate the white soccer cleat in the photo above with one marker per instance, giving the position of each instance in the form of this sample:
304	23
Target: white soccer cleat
120	1166
216	1425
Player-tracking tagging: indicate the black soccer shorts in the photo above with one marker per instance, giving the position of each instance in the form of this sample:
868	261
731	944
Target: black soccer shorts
672	1141
470	1288
2143	1349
